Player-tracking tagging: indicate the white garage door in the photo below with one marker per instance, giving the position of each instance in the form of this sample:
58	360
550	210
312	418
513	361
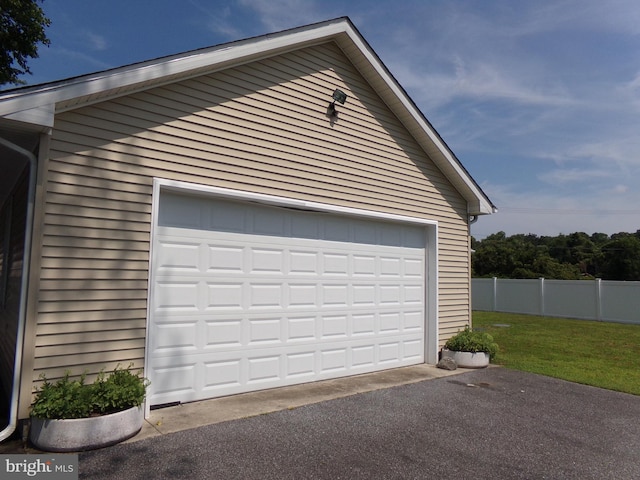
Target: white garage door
247	296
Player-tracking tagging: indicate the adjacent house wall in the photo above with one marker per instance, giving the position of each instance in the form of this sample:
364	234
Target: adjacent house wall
260	127
13	215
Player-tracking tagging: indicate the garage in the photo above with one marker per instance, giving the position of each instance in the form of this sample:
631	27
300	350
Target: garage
216	220
255	293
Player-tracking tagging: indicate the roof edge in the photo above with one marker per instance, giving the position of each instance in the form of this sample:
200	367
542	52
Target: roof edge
484	205
36	105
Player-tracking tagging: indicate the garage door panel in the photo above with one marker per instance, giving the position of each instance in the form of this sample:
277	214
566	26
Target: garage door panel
334	295
175	337
412	295
264	369
224	333
246	329
177	295
302	328
179	255
364	295
265	330
334	327
389	352
363	356
174	380
222	374
413	321
225	259
390	267
364	265
195	377
413	349
267	261
303	295
225	296
248	297
333	360
303	262
390	322
300	366
364	324
413	268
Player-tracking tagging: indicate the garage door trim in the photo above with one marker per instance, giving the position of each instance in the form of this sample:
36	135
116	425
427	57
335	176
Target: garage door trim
431	232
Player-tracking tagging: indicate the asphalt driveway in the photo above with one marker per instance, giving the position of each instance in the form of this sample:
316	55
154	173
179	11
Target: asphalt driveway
486	424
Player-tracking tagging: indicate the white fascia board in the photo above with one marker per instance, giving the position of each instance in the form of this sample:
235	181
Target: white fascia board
28	103
42	116
185	64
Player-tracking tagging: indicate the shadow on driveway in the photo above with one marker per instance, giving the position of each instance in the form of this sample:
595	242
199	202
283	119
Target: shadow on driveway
486	424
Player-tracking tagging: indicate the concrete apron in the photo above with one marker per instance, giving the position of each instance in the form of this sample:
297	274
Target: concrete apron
207	412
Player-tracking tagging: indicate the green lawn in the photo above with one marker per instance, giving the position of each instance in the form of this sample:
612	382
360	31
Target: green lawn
601	354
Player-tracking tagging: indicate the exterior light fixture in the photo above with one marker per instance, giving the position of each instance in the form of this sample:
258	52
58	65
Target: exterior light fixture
338	96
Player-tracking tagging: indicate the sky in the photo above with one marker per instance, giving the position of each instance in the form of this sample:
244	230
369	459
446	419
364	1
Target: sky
539	99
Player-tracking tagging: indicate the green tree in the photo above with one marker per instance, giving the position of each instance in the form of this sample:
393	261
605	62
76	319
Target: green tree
22	29
548	267
621	258
492	257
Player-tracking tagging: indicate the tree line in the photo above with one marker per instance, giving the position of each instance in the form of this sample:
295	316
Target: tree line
563	257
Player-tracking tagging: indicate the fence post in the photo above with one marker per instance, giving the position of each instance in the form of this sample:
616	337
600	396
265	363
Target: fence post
541	297
599	299
494	300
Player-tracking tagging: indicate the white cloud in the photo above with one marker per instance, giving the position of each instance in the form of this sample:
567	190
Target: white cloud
554	212
218	20
488	81
95	41
282	14
618	152
80	57
573	175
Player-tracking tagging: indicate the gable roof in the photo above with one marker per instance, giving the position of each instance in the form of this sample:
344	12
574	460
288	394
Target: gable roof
34	108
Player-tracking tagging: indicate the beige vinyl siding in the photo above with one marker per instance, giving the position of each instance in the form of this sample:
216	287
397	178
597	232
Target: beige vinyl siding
259	127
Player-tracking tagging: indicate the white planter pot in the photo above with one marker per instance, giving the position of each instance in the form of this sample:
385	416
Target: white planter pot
78	434
468	359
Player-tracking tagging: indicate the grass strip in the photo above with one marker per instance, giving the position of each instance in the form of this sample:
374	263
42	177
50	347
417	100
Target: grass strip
601	354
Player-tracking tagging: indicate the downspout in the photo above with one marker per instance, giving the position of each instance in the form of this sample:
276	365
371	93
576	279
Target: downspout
472	219
22	311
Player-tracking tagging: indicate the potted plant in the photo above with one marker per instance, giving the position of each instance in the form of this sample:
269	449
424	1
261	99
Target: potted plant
71	415
470	349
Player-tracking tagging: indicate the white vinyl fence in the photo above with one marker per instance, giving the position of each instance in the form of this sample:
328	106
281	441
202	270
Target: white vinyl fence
603	300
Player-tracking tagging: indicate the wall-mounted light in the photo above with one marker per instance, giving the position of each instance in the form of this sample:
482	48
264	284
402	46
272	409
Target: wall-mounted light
338	96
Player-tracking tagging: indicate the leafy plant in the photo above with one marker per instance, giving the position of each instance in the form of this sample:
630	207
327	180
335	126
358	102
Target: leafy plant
469	340
73	398
64	399
119	391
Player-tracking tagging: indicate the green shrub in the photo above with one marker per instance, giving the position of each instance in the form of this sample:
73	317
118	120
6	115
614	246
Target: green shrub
468	340
68	398
64	399
119	391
